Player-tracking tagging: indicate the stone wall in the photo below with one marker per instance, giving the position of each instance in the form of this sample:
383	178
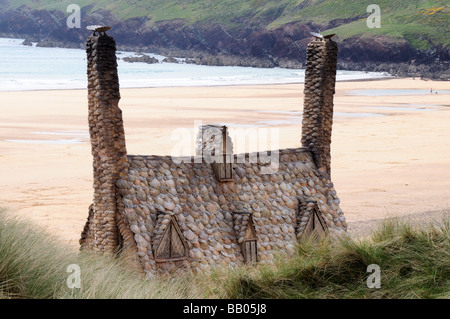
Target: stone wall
158	188
107	142
320	78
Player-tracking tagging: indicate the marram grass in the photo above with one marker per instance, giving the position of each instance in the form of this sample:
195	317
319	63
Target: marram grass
34	264
414	263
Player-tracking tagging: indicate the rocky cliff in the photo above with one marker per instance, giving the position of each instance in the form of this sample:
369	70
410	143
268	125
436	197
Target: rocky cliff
248	41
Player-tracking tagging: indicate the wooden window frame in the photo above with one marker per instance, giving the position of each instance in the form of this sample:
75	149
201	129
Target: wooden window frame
224	170
314	215
173	226
249	258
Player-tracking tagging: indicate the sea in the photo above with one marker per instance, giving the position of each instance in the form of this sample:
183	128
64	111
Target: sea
24	68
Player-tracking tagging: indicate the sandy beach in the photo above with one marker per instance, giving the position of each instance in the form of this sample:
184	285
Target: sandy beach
390	153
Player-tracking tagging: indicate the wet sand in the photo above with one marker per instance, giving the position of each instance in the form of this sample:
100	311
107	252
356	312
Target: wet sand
390	154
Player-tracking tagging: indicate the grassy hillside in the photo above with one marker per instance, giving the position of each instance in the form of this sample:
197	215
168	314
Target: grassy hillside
421	22
414	264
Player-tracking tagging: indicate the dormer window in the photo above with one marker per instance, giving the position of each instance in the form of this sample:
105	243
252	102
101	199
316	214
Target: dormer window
315	225
249	247
172	246
216	148
246	236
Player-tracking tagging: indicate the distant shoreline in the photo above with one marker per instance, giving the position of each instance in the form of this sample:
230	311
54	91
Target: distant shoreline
24	68
205	86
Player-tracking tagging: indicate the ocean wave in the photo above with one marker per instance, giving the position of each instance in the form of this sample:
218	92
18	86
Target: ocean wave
25	68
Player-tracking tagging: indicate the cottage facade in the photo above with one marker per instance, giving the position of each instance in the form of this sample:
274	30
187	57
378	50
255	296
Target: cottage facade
216	208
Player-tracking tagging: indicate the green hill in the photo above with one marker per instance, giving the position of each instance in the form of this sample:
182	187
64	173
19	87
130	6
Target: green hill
400	18
276	31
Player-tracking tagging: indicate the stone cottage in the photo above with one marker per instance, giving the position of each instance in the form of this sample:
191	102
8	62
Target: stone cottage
216	208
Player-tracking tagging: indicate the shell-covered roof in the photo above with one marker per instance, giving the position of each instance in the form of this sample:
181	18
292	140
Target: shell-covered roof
161	187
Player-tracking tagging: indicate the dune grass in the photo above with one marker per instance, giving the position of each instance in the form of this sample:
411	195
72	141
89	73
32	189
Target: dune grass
34	264
414	263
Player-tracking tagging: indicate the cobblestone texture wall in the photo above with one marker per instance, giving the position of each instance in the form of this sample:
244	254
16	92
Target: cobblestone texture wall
204	207
320	78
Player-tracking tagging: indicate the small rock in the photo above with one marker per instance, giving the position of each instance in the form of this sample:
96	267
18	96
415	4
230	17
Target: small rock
189	235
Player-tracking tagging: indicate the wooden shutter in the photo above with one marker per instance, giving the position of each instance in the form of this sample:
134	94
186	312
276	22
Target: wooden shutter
163	250
227	164
172	245
250	252
319	224
315	226
250	248
177	248
224	169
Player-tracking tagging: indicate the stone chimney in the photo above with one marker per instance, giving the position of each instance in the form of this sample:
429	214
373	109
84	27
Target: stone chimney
320	78
107	138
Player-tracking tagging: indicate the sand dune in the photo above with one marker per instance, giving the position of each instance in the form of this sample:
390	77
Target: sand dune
390	154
